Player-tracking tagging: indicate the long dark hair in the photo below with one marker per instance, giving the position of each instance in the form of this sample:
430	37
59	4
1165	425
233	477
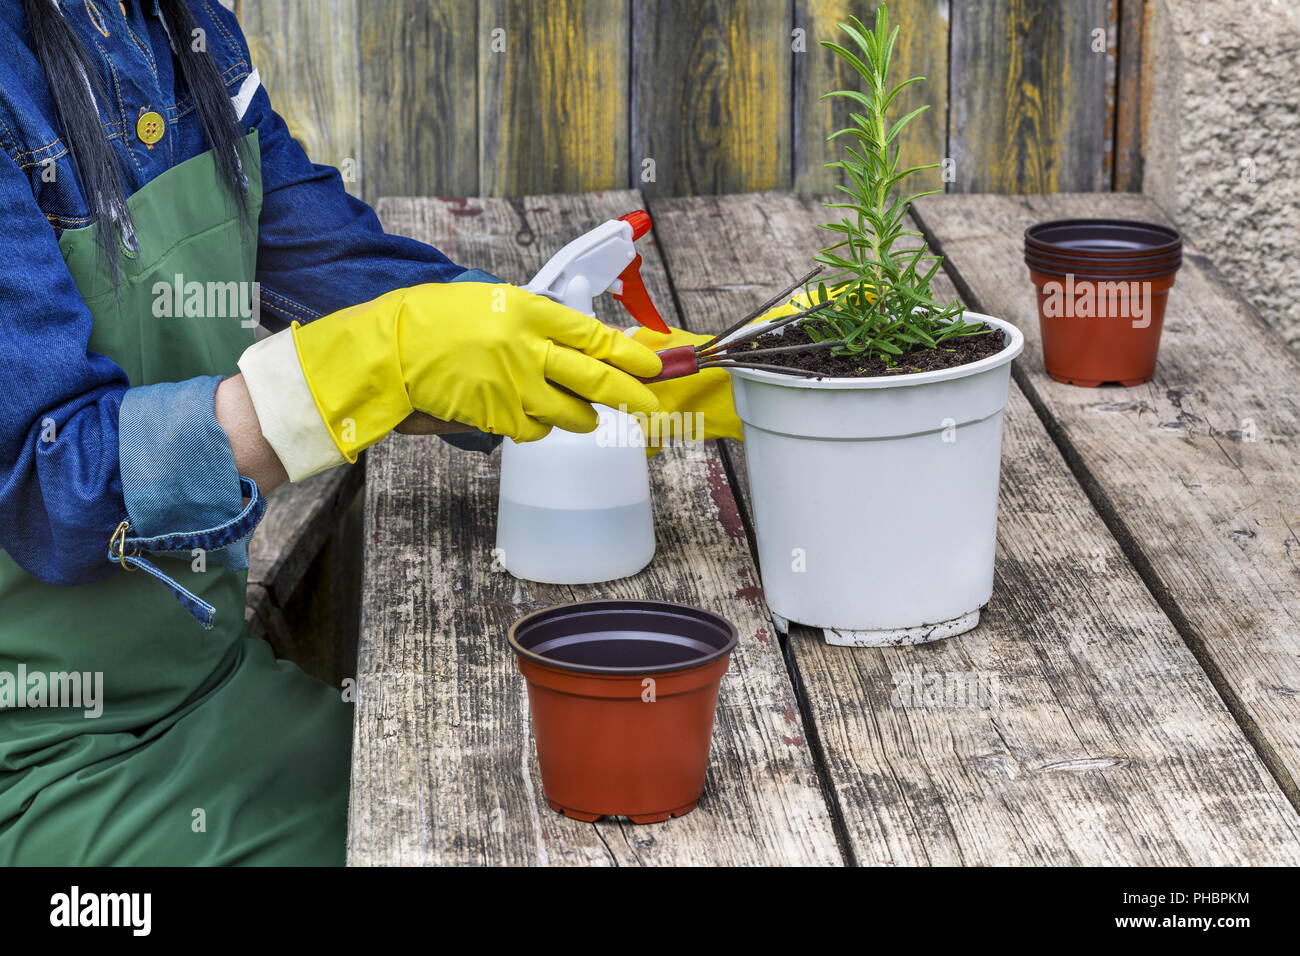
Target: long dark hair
77	88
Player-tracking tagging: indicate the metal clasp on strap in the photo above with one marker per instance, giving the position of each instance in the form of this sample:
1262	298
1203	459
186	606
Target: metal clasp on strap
119	540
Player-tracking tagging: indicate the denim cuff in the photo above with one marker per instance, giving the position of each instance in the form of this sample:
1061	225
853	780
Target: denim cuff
474	441
126	548
178	470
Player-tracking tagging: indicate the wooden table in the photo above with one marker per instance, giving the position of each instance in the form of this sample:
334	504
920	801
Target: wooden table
1143	641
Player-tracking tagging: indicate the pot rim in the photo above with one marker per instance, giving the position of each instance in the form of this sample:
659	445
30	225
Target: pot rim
1056	252
1013	338
1173	236
1113	277
1064	271
1118	257
1081	275
1118	265
614	604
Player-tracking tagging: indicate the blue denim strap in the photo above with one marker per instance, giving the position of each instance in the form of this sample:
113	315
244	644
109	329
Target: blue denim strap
126	549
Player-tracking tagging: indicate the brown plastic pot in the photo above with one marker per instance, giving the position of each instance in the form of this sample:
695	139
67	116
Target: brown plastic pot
1092	331
1102	238
622	695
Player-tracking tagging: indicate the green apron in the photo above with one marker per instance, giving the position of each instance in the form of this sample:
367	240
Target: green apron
208	749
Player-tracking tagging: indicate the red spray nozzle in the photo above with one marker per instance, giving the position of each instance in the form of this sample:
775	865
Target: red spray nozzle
636	299
640	222
632	292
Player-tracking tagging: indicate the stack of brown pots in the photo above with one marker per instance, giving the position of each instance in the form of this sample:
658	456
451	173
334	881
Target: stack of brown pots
1103	285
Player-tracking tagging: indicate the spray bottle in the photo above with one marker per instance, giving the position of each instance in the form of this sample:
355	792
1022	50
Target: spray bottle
575	508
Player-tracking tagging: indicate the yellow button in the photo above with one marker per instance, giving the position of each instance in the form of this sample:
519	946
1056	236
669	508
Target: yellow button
149	127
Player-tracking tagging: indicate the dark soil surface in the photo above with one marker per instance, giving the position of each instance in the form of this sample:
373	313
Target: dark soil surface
954	352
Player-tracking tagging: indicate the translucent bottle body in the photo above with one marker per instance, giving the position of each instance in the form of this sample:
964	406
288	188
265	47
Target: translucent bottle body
575	508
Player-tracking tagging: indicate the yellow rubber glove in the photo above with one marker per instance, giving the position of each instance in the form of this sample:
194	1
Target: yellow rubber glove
487	355
797	303
707	392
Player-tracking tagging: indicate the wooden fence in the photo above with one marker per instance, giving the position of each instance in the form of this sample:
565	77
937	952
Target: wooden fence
686	97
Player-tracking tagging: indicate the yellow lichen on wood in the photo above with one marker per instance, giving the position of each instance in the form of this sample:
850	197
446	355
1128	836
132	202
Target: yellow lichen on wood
308	60
590	88
511	97
755	136
553	96
711	103
1030	85
922	50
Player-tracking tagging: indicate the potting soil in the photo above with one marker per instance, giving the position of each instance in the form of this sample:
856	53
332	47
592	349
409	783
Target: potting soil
954	352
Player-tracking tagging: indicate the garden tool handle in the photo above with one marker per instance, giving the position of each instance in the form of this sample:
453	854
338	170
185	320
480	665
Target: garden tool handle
419	423
679	362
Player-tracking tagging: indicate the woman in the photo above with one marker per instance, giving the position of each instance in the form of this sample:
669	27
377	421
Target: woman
141	428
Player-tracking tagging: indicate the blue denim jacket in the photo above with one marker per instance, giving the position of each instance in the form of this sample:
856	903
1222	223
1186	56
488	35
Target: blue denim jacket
319	250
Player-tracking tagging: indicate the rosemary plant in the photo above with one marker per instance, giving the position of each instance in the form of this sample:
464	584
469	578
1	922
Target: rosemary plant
883	307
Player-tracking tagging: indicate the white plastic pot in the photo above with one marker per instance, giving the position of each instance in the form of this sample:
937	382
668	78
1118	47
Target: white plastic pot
875	499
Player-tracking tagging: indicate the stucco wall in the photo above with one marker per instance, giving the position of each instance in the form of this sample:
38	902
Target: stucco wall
1222	140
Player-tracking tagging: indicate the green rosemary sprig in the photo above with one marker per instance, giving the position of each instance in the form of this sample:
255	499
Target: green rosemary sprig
883	304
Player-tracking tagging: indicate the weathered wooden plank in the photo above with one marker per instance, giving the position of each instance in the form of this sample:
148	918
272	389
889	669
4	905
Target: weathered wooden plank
922	51
317	94
1197	471
304	573
1028	96
443	761
424	98
1132	96
553	82
266	621
711	101
419	98
299	518
1073	726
